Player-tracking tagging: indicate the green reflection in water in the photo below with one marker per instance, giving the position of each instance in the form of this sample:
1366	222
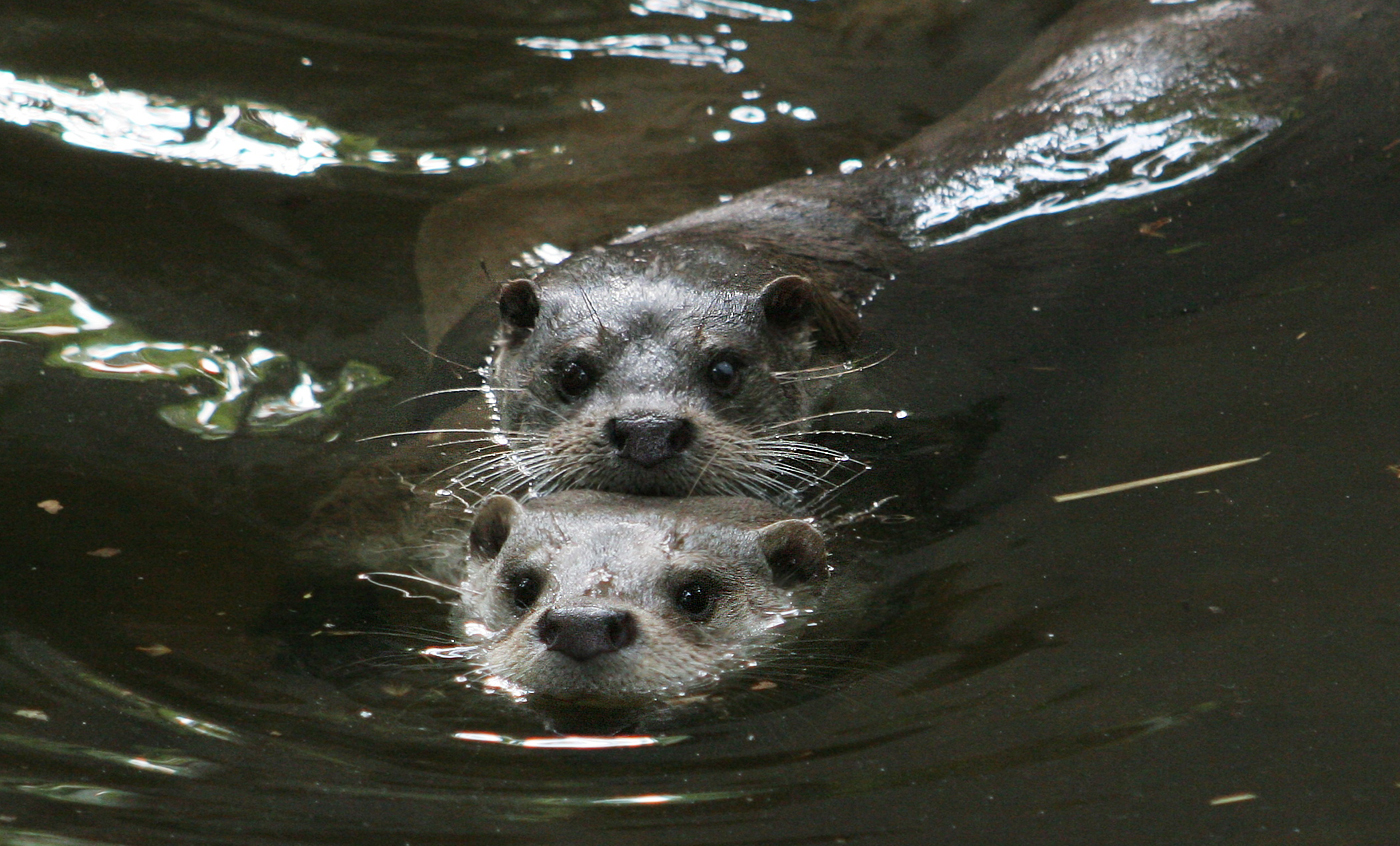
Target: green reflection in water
257	391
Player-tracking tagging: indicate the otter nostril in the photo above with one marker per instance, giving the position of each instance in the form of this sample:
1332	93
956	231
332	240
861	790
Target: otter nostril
682	436
617	435
650	439
587	631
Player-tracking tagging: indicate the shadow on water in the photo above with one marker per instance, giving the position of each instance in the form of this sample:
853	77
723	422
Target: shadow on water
1207	661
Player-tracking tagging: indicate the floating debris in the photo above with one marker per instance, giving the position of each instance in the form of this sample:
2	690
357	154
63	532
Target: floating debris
1233	798
1155	480
1153	229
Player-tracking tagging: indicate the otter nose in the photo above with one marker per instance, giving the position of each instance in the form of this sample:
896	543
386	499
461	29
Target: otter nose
587	631
650	439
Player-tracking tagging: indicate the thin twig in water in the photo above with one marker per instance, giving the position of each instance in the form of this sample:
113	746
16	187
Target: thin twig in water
1155	480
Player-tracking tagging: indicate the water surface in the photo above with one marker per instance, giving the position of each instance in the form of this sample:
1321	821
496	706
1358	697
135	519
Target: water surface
1205	661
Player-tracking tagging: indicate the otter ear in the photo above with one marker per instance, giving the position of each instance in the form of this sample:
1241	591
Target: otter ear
520	306
491	527
795	551
788	302
796	302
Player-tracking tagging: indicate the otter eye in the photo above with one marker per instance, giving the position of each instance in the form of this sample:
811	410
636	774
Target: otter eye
575	378
725	373
696	597
523	588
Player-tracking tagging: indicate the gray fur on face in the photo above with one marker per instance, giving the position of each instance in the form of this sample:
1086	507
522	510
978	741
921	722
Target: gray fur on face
664	372
608	601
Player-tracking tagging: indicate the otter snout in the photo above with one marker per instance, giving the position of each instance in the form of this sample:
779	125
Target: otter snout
650	439
587	631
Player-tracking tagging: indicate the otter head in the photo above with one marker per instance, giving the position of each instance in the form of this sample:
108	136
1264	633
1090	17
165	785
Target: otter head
593	602
664	374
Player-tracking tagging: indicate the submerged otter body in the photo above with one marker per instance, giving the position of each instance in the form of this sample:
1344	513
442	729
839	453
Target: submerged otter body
647	364
593	603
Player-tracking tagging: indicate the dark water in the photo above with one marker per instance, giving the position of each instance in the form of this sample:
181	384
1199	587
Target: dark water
1207	661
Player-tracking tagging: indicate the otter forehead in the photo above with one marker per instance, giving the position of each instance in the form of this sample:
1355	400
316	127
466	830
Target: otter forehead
633	310
609	547
710	264
592	557
626	545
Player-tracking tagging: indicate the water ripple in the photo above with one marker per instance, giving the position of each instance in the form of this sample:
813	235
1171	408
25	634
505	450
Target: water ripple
700	9
691	50
240	136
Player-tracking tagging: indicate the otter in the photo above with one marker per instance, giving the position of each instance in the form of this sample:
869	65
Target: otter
676	359
588	606
690	378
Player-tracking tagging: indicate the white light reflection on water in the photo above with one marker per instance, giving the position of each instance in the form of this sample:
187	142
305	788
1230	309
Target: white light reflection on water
258	391
572	741
692	50
1131	120
540	256
748	114
1070	167
699	9
241	136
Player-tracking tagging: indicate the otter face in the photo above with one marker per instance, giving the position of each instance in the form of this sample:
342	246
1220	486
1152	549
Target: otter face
645	381
594	601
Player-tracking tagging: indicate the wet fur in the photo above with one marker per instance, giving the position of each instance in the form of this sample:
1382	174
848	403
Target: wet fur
769	573
649	322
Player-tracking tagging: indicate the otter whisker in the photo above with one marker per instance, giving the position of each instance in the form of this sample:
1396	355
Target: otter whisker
482	447
797	475
492	461
491	477
451	431
807	479
701	474
517	459
823	506
372	578
798	421
800	449
439	356
473	389
832	371
848	432
803	456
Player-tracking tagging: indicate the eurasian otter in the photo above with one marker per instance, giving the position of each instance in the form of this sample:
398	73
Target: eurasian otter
664	361
696	379
587	605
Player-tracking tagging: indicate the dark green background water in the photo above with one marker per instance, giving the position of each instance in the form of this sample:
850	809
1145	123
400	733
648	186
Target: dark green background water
1087	672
